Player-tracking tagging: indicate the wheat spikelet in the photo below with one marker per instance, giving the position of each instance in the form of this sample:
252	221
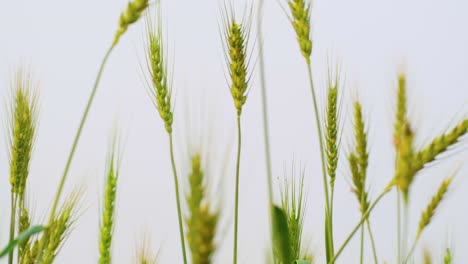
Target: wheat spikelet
429	212
157	67
107	221
331	132
131	14
202	222
300	20
236	46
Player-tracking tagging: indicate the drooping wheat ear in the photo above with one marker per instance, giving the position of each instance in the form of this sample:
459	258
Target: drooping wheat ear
236	39
23	129
131	14
61	227
157	66
448	256
440	144
107	221
331	134
292	198
430	210
300	10
202	221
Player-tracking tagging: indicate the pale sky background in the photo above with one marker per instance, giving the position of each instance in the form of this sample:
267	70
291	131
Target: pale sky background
62	42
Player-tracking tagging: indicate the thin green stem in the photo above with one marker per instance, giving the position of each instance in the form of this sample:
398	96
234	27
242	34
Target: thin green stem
12	225
362	245
266	133
398	227
374	248
236	203
411	250
264	107
179	211
328	218
405	228
363	218
74	146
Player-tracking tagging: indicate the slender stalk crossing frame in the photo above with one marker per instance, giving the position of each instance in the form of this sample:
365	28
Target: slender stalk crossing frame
179	211
236	203
328	218
12	225
75	144
363	218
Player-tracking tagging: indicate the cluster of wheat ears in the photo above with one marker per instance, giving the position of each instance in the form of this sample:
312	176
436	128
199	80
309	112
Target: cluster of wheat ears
30	243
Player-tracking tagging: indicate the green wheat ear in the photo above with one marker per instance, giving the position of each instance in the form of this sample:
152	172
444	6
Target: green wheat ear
300	11
159	86
358	159
110	192
23	129
202	220
430	210
52	240
131	14
293	205
448	256
236	40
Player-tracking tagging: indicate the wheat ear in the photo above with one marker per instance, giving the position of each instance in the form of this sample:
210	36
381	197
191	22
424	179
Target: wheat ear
22	133
300	10
110	193
448	256
428	214
293	205
202	221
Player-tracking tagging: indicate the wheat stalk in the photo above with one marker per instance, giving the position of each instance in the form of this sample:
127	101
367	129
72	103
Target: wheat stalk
236	36
128	17
161	95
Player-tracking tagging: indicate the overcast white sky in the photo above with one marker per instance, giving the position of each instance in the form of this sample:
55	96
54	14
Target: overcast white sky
64	41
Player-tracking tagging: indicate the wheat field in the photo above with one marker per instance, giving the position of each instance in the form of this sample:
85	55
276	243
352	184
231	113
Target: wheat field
389	79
